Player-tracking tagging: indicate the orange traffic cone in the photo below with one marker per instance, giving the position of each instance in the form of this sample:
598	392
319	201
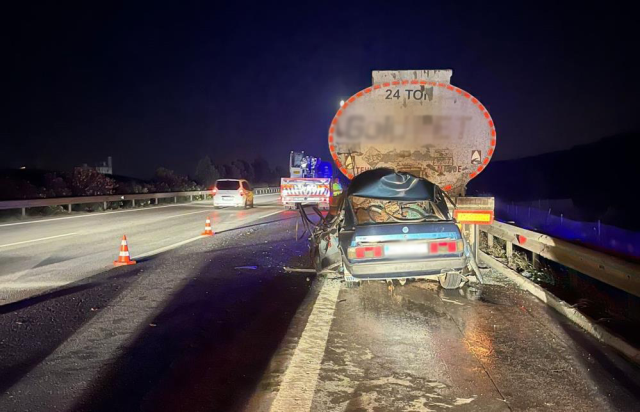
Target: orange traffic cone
207	228
124	258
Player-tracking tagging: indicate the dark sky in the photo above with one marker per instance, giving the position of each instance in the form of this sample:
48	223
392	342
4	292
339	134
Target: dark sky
163	84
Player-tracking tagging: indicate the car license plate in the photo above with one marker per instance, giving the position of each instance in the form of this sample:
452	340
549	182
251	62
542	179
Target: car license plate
406	249
227	198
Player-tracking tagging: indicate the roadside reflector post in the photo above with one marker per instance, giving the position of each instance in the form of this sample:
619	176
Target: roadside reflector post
156	200
24	211
175	199
69	208
509	251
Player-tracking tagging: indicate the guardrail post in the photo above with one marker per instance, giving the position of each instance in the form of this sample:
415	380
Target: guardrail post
535	260
175	199
190	198
24	211
104	205
509	251
69	208
490	240
156	200
133	202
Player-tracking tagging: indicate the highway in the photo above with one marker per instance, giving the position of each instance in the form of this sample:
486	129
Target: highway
42	254
217	324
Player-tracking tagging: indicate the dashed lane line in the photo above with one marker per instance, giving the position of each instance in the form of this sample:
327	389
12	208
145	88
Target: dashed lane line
37	240
106	213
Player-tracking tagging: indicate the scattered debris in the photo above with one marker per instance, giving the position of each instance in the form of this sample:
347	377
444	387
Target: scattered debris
452	301
300	270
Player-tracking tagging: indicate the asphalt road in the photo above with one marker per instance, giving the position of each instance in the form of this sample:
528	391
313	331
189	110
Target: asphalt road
39	255
417	347
216	324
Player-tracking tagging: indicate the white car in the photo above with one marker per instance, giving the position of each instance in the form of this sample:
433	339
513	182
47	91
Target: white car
232	192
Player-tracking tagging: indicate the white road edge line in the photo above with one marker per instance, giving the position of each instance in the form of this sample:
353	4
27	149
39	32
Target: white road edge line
301	377
37	240
110	213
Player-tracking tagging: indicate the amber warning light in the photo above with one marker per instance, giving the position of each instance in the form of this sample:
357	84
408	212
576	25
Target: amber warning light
476	217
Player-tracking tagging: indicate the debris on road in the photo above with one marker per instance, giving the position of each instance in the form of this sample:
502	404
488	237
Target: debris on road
299	270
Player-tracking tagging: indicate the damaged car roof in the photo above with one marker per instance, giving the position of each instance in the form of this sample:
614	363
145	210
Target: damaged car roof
387	184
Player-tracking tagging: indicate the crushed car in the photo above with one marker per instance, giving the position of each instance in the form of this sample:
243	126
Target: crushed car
390	226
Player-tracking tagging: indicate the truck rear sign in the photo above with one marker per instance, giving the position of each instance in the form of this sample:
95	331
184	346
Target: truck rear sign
430	129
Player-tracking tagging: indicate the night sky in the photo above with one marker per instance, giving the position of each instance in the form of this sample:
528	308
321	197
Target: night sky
160	84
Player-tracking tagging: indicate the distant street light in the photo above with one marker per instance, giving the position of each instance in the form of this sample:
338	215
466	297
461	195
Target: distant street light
341	103
23	167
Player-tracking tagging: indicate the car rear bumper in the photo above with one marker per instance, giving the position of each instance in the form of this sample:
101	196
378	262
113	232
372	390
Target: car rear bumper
235	201
405	268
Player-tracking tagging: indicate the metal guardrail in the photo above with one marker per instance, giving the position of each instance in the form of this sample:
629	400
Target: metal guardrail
608	269
68	201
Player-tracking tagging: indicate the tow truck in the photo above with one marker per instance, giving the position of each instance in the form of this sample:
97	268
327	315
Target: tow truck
309	181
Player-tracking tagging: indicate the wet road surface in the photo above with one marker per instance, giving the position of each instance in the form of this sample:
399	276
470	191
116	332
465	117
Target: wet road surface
421	348
42	254
217	325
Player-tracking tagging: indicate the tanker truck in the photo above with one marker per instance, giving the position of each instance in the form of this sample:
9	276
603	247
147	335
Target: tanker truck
409	143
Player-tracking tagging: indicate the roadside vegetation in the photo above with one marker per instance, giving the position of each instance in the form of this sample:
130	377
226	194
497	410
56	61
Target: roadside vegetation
87	181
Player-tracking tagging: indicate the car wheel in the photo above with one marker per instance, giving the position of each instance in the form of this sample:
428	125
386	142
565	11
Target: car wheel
451	280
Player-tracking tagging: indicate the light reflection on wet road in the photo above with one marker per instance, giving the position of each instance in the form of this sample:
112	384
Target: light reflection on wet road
487	347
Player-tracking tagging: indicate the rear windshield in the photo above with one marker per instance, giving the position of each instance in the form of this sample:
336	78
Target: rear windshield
370	211
228	185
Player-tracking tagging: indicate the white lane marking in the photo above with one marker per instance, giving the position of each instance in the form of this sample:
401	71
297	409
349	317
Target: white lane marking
38	240
169	247
30	285
181	214
193	239
109	213
300	379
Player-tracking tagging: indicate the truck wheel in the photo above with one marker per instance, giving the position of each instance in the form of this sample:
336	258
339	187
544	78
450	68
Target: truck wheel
451	280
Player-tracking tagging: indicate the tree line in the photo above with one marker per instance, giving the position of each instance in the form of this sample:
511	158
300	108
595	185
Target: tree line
86	181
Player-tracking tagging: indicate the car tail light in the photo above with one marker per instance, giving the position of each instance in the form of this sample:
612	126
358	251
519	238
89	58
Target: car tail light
241	192
365	252
214	191
450	246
